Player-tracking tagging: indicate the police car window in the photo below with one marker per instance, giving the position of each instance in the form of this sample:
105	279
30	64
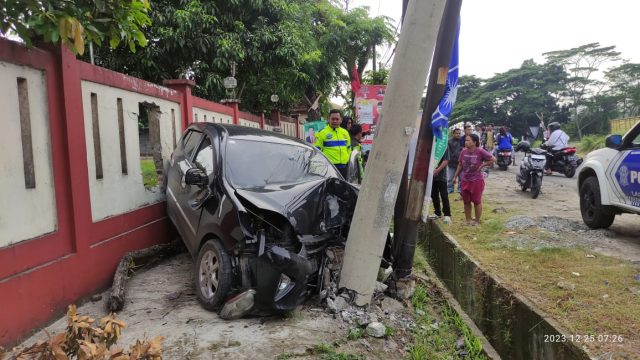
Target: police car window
204	158
636	141
190	140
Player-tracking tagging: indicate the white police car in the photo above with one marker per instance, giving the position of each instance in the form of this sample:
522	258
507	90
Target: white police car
609	181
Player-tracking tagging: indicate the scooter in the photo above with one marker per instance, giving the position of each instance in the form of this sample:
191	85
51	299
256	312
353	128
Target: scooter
531	169
503	158
565	161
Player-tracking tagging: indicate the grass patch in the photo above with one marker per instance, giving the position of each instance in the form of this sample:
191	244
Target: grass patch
356	334
149	174
438	328
590	143
419	260
328	352
602	301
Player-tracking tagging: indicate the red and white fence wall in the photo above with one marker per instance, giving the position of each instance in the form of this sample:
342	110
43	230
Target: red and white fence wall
73	197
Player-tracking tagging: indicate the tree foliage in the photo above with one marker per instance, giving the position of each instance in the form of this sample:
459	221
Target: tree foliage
582	64
76	22
295	49
516	98
567	88
624	86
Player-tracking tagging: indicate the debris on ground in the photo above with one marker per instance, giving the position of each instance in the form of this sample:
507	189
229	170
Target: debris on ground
133	260
376	329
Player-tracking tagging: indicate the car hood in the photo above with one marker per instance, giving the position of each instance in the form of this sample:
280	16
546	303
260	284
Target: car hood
311	207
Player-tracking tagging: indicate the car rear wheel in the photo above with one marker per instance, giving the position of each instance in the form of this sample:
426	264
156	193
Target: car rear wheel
213	275
594	214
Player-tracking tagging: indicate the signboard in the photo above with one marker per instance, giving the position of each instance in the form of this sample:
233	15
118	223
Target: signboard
311	128
368	104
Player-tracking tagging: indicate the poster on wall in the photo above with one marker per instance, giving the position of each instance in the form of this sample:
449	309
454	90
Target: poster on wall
311	128
368	104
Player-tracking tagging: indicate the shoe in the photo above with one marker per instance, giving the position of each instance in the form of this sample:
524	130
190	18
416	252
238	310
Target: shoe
447	219
433	217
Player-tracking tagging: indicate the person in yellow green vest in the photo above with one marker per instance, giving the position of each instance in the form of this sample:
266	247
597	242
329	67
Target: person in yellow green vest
356	144
335	142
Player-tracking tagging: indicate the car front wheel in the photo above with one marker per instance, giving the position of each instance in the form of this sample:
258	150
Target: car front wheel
594	214
213	275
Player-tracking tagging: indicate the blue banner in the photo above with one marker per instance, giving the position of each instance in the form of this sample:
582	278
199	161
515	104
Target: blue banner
440	117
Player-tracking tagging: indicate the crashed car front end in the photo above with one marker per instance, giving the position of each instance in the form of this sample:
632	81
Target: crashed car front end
289	240
291	206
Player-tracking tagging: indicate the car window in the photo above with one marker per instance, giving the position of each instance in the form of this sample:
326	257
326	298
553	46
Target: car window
250	164
204	157
636	141
189	142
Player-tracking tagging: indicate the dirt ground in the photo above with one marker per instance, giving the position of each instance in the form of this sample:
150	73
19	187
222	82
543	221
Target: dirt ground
558	206
162	301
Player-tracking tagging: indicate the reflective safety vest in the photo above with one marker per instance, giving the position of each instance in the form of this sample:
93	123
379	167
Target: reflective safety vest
335	144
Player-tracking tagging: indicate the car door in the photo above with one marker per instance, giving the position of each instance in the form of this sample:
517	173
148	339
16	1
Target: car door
624	171
176	186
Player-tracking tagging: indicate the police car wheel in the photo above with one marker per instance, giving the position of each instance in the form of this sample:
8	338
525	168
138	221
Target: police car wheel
594	214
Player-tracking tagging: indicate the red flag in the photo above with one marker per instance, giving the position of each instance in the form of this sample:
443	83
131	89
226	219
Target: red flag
355	83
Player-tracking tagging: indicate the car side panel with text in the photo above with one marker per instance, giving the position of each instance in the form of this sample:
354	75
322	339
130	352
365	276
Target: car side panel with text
618	172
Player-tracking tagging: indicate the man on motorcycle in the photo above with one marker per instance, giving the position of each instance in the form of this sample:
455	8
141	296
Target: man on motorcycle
557	141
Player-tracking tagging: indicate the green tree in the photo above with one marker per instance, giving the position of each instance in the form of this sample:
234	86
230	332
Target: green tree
279	47
624	85
516	98
356	37
77	22
582	64
376	77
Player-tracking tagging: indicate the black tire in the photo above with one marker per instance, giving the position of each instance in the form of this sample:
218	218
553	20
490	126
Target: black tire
569	171
212	275
594	214
503	167
536	184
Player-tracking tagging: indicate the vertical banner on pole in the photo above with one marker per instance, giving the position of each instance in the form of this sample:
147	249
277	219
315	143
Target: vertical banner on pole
440	120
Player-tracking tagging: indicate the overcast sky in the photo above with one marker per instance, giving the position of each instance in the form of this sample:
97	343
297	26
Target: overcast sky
498	35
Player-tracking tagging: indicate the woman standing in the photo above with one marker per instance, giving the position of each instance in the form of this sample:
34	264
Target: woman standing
472	160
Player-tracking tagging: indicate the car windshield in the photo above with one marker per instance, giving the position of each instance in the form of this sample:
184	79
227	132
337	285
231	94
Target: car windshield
251	164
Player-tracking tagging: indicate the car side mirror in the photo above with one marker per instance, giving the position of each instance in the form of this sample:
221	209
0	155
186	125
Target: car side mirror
613	141
196	177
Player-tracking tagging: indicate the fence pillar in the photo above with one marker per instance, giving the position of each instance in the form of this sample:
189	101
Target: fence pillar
76	147
262	120
184	87
234	104
275	117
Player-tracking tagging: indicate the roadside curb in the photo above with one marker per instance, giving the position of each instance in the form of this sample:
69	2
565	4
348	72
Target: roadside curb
514	326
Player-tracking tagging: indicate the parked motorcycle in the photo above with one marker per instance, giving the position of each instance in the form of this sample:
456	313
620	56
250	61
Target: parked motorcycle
531	168
503	158
565	161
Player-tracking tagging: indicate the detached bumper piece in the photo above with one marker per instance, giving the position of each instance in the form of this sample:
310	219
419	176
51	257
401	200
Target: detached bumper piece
282	279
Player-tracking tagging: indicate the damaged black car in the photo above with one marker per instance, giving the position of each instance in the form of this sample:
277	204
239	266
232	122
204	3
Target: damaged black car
258	211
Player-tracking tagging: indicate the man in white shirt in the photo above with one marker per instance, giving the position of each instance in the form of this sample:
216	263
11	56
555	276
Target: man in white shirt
558	140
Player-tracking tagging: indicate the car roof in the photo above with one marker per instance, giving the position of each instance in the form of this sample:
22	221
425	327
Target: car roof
248	133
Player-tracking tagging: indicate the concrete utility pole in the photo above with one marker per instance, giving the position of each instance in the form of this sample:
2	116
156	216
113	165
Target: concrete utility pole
396	124
410	201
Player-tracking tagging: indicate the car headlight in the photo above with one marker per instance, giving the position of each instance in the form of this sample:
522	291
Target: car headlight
284	286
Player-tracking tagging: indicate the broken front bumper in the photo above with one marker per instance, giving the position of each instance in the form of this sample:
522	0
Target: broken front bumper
282	278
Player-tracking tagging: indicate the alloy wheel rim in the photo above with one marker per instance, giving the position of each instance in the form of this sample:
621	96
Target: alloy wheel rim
208	274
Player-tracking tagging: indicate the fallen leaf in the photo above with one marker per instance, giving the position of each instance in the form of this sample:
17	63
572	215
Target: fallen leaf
575	273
